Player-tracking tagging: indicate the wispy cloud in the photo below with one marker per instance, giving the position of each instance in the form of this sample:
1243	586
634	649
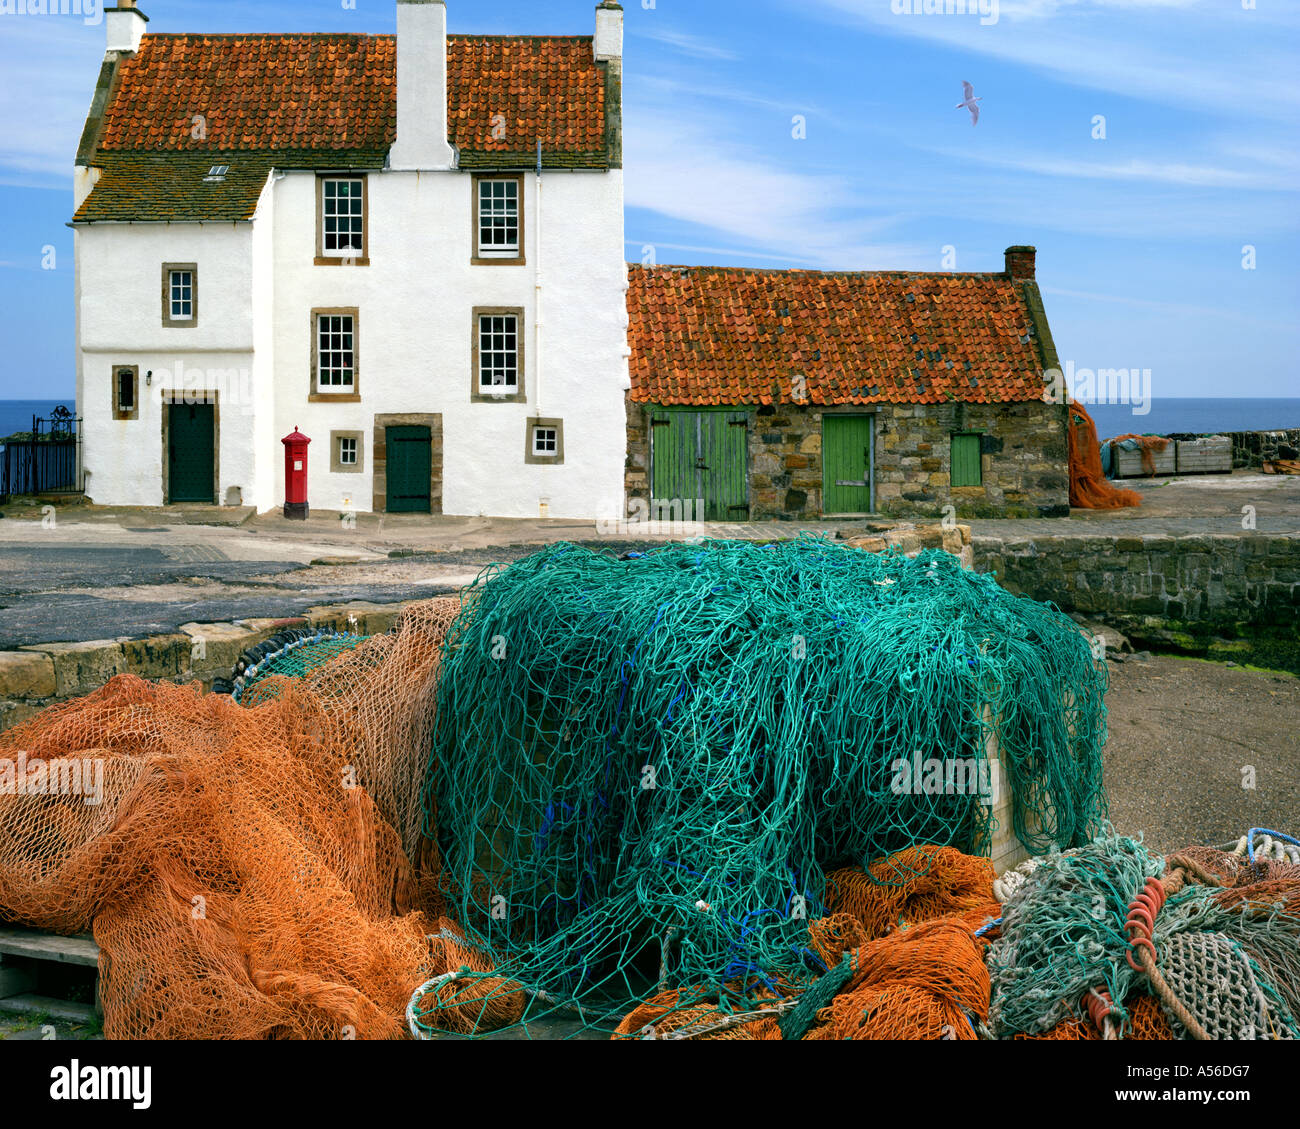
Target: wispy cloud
691	45
695	174
1135	169
1138	48
740	95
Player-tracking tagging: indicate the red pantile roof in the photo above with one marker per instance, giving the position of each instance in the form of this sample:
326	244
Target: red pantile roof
543	88
721	335
338	92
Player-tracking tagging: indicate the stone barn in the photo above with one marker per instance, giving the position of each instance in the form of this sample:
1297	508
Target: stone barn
796	395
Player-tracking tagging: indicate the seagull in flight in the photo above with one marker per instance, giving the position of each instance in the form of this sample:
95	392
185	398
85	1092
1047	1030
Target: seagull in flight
970	102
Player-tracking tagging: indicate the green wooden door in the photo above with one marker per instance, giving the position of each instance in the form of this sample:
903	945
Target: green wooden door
967	465
410	467
848	454
700	458
191	453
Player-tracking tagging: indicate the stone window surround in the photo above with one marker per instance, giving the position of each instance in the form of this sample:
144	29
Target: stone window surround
134	412
337	465
324	260
314	394
180	323
479	259
477	395
531	457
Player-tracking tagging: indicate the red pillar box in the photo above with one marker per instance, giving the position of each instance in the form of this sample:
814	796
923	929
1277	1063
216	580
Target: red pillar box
295	476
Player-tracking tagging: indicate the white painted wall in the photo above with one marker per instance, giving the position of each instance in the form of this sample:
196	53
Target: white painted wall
414	342
268	454
119	316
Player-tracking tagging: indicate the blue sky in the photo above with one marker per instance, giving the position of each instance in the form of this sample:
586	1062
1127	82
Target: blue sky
1140	234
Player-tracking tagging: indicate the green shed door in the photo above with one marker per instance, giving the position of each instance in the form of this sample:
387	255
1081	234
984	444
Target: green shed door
967	467
410	468
700	456
191	453
848	453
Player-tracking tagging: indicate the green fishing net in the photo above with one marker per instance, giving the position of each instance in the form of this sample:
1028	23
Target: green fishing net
644	767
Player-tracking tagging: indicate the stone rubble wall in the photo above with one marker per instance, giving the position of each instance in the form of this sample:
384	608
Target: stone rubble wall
1214	579
34	677
1025	460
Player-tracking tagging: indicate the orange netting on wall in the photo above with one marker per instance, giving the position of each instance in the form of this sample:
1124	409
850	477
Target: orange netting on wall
1089	487
1149	445
245	871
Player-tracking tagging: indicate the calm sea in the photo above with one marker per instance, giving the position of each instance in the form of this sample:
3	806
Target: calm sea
1196	417
16	415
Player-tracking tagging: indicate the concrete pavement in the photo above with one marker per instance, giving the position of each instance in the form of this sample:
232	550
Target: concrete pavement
81	573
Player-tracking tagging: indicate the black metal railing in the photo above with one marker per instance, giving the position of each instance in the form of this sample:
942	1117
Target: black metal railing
46	460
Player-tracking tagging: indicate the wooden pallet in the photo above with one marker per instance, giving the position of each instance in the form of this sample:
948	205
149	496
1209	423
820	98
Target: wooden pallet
22	951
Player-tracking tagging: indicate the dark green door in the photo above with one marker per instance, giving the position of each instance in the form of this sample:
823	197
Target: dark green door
847	458
410	467
191	453
700	458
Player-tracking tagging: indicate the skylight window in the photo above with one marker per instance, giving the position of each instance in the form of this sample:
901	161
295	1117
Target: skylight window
216	174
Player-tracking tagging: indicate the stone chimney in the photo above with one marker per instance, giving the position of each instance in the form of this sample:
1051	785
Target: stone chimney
125	25
422	87
1021	263
609	30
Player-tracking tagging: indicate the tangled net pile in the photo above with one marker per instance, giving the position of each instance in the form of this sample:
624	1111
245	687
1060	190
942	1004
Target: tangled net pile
1089	487
643	769
275	869
246	873
1202	944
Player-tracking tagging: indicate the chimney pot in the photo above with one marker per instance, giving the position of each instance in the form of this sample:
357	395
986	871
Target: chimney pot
1022	263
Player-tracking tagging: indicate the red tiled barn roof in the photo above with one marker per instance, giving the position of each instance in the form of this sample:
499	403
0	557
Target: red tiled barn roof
721	335
338	92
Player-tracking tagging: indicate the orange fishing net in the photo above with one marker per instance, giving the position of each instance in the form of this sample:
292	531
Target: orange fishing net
1089	487
241	872
926	982
663	1017
914	885
1148	445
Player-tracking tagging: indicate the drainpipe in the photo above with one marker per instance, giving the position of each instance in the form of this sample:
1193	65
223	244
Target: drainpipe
537	274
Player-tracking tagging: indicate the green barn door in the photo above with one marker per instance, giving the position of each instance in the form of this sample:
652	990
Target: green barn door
191	453
700	456
410	468
848	453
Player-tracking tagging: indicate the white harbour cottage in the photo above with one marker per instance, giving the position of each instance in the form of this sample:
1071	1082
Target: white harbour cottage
411	248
